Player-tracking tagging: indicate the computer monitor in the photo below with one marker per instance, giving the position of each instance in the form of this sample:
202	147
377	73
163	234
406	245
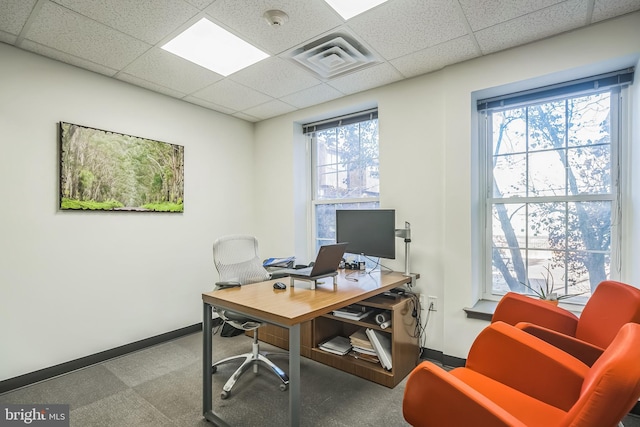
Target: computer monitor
367	231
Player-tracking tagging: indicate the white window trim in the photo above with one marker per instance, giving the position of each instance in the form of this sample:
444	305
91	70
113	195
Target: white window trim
620	114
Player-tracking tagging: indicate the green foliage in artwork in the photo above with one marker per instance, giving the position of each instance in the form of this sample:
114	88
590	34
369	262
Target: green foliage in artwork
165	207
90	205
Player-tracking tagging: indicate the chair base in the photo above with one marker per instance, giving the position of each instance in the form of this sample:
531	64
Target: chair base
251	359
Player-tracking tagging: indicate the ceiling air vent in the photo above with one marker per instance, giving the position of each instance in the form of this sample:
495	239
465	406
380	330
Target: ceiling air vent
333	55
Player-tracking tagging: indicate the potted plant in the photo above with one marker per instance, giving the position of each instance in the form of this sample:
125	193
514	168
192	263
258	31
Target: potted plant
547	291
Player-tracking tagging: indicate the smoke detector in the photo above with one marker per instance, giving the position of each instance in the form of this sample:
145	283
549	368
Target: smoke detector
275	18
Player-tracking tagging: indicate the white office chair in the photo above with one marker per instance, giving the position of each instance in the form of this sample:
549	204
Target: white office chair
237	262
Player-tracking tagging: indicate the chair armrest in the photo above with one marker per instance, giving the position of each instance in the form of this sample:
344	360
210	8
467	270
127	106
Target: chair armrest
433	397
527	364
228	284
514	308
582	350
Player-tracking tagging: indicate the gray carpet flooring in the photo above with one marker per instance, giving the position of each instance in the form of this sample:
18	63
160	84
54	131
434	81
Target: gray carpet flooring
162	386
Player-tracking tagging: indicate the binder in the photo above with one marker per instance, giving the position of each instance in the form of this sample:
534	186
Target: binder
382	345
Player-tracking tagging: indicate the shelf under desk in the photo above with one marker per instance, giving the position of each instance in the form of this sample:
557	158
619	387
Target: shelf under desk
289	308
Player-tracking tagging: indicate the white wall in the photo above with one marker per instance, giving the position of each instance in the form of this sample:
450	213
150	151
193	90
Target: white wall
426	161
74	283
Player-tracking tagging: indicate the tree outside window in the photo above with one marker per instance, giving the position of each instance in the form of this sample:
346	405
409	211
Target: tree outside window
552	193
345	173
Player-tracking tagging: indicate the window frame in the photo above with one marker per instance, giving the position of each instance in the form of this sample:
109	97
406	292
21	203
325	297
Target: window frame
311	142
619	116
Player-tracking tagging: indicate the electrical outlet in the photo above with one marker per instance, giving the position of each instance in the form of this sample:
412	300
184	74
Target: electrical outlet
423	302
432	303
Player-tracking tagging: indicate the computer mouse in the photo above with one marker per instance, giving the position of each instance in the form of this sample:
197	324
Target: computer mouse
279	285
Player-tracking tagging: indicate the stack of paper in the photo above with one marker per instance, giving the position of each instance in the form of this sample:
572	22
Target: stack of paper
336	345
382	345
353	312
362	347
279	262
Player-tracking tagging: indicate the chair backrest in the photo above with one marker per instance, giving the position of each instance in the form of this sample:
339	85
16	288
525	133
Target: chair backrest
612	385
612	305
236	259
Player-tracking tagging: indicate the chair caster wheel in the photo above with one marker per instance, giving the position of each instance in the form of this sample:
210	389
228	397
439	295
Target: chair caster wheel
214	369
225	394
284	387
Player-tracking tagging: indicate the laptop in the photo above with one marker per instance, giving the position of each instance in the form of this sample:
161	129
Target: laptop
327	262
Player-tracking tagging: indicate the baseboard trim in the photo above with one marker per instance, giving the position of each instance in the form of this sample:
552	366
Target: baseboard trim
444	359
66	367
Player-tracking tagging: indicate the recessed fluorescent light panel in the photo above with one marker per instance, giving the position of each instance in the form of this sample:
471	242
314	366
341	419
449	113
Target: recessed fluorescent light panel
214	48
350	8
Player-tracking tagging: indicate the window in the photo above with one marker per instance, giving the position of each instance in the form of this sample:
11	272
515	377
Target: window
344	164
551	188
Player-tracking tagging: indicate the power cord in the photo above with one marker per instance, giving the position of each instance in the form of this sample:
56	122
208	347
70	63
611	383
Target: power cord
419	331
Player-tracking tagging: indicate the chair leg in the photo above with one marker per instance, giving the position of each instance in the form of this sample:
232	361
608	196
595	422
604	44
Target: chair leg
251	359
226	390
276	370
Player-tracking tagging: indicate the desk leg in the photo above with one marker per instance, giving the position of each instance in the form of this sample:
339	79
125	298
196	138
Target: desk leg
294	375
207	370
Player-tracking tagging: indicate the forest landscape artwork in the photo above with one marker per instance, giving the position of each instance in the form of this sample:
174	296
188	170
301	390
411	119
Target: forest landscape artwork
108	171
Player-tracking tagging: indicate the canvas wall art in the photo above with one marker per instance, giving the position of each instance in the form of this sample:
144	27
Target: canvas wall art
109	171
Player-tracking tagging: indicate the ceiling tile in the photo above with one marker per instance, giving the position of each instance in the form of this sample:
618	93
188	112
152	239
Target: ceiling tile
312	96
230	94
170	71
377	75
7	38
605	9
13	15
437	57
485	13
207	104
534	26
149	85
200	4
160	16
405	38
275	77
407	26
269	109
246	117
307	19
66	58
59	28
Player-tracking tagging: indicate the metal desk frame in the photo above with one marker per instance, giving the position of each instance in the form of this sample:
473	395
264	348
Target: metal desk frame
288	309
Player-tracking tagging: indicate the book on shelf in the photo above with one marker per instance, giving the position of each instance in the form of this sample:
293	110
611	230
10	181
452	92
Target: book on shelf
337	345
382	345
353	312
359	339
364	356
364	350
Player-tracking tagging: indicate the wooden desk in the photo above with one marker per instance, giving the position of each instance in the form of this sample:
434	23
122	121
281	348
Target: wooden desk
287	308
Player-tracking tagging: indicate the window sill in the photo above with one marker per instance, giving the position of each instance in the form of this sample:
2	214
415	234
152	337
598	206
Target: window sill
483	310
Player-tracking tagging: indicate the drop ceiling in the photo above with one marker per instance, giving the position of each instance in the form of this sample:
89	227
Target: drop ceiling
122	39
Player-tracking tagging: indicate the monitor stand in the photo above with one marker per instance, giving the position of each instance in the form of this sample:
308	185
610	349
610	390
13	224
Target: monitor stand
314	280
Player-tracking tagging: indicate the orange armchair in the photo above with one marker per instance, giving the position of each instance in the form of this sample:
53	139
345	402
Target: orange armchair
514	379
612	305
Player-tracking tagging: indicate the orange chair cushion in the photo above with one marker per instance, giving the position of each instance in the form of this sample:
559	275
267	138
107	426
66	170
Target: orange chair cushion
612	305
530	411
514	308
